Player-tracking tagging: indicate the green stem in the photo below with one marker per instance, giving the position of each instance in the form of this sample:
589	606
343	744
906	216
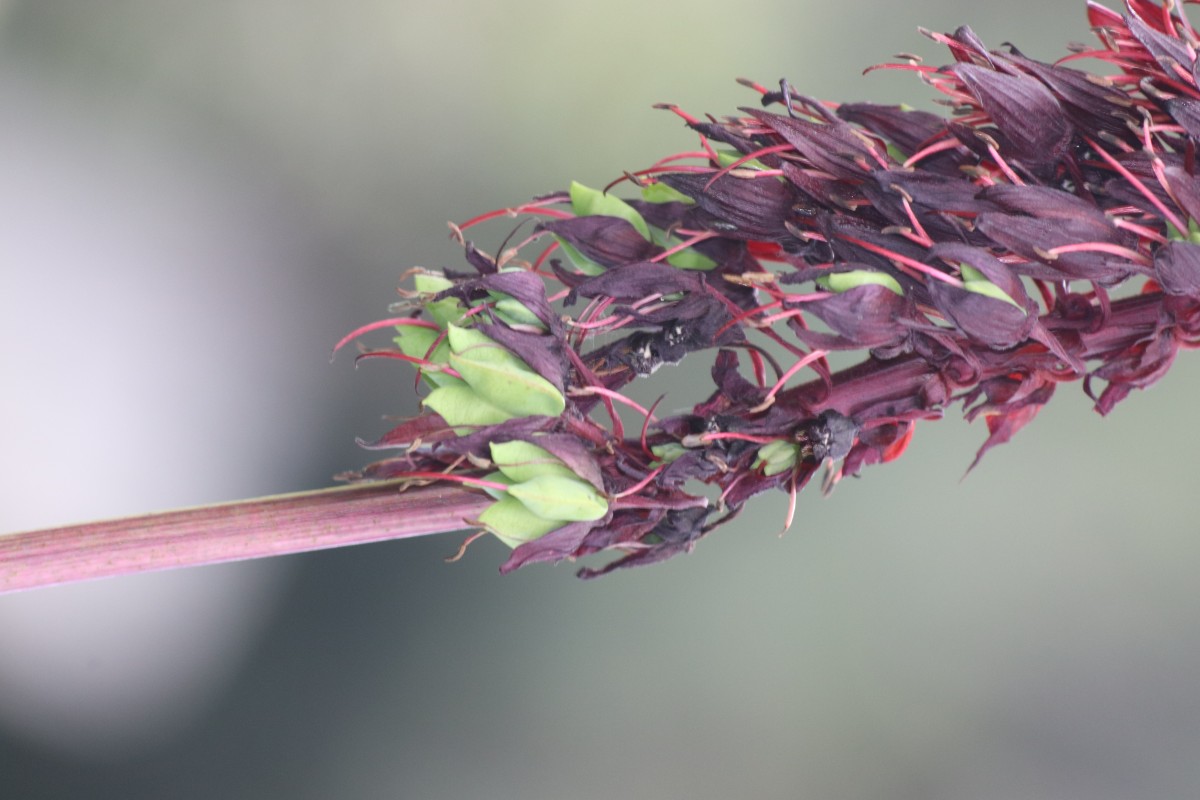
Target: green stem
266	526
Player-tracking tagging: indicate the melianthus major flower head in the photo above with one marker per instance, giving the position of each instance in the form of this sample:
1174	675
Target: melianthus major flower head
968	259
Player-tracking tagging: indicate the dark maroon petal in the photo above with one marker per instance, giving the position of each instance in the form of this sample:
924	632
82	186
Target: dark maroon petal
677	533
572	451
693	465
1177	265
481	261
742	208
1003	422
1025	112
555	546
1142	365
867	316
1185	188
722	133
627	527
477	443
637	281
854	241
1091	105
545	355
820	190
1167	50
1187	113
1034	238
933	192
426	428
832	147
663	216
872	444
385	470
985	319
525	287
908	129
609	241
732	385
1046	202
753	484
992	268
944	205
971	49
1179	174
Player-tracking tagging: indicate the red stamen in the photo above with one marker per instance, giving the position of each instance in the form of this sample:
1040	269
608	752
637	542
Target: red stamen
642	484
590	377
760	368
1137	184
902	261
383	323
646	427
535	208
776	148
426	365
584	391
684	245
1102	247
742	437
737	320
815	355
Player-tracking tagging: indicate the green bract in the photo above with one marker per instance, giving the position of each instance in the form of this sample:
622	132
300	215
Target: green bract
500	378
415	342
560	498
1192	236
776	457
976	281
444	311
543	494
727	158
581	262
668	452
690	259
661	193
459	405
514	312
522	461
514	524
588	202
838	282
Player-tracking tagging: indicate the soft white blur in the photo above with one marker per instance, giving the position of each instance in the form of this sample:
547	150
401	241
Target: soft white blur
197	199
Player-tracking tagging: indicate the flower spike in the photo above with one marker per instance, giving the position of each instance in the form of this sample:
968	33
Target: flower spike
967	259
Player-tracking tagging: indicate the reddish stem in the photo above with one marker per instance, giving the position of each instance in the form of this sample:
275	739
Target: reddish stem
266	526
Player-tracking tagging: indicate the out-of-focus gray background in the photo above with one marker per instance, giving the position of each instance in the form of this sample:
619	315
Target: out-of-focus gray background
198	199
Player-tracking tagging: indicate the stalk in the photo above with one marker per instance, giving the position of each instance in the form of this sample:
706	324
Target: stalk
265	526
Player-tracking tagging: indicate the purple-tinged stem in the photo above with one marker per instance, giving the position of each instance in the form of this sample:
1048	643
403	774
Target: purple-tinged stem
266	526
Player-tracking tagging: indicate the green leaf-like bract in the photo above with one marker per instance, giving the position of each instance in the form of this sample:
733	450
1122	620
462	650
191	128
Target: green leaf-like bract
561	498
500	378
587	202
514	524
521	461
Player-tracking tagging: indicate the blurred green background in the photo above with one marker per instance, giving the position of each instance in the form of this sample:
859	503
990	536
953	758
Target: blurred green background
198	199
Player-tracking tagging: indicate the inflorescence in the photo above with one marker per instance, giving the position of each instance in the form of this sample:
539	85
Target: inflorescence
970	259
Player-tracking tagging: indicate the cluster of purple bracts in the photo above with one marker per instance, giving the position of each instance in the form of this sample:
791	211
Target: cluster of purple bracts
974	259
